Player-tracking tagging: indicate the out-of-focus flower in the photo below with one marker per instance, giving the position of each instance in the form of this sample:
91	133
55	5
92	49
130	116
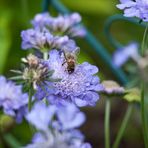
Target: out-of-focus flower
11	97
79	86
41	116
70	139
56	125
112	87
65	117
122	55
61	25
70	117
135	8
43	40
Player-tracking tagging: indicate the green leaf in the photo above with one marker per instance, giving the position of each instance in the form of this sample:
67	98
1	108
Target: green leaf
16	78
132	95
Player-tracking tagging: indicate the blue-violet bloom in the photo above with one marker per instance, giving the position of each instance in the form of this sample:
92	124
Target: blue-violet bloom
80	87
11	97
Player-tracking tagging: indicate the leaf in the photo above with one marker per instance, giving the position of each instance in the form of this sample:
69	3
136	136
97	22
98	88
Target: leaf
16	71
16	78
132	95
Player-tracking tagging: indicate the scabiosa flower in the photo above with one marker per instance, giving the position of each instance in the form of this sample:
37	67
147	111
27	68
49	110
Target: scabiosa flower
79	86
69	117
35	72
61	25
41	116
42	40
70	139
65	117
112	87
53	122
11	97
135	8
122	55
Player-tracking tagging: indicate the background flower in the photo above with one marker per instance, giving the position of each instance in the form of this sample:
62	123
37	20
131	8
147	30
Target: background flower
11	96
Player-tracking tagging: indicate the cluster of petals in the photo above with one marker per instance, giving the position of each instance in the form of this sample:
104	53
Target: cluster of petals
135	8
12	99
62	120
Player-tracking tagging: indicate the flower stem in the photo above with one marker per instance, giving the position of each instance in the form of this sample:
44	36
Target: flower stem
123	125
107	123
144	118
45	55
11	141
30	97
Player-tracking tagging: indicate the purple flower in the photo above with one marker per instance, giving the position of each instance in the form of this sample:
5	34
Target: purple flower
70	117
61	25
43	40
70	139
11	97
80	87
56	125
137	8
41	116
65	117
122	55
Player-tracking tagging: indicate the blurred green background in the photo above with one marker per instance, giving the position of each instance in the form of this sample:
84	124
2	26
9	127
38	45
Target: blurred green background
15	15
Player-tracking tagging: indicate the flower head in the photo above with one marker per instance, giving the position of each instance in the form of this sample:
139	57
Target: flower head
65	117
122	55
60	25
11	96
69	117
112	87
80	86
70	139
42	40
135	8
41	116
62	120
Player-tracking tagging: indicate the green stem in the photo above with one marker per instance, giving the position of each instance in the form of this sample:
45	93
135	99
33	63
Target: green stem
123	125
107	123
144	118
45	55
30	97
11	141
144	40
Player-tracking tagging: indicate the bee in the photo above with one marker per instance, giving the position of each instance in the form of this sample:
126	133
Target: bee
71	60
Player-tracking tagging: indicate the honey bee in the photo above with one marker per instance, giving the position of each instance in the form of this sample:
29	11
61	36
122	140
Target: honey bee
71	60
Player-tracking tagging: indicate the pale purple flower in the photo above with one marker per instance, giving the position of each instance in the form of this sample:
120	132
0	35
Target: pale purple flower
60	25
70	117
135	8
122	55
56	125
80	87
12	99
41	116
56	139
65	117
43	40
